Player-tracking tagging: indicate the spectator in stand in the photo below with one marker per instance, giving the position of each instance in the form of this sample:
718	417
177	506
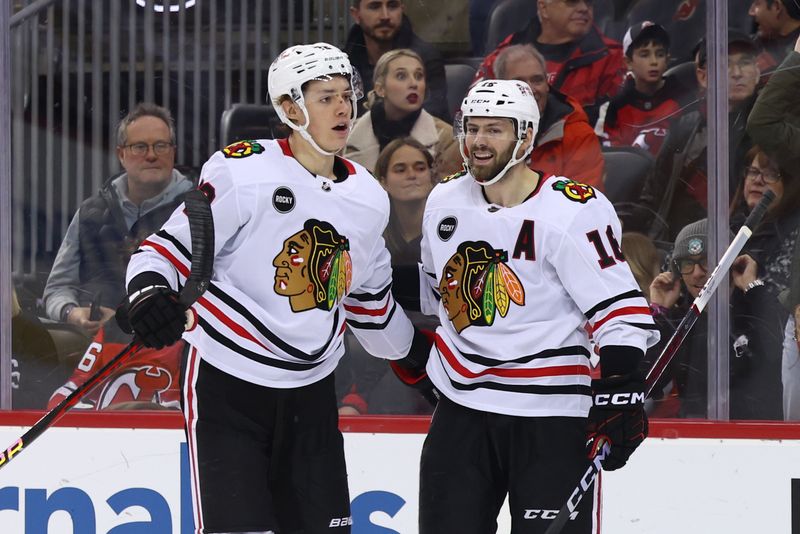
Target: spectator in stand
366	384
581	61
565	144
380	26
774	124
395	110
675	193
89	269
790	359
641	113
755	343
643	258
778	24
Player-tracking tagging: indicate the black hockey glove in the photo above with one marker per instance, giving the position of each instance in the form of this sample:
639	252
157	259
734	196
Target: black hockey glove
154	315
411	369
617	416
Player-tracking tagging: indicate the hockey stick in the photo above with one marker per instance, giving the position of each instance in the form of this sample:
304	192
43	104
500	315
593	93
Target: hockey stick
668	353
201	228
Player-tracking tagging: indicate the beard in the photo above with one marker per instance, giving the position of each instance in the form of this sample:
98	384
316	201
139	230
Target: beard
486	173
379	33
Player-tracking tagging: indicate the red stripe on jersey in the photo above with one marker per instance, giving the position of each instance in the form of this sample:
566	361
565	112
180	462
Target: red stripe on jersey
161	249
285	148
628	310
191	418
349	166
556	370
235	327
366	311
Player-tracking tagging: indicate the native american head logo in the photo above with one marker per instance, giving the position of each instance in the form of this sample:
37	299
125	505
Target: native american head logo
242	149
314	268
477	285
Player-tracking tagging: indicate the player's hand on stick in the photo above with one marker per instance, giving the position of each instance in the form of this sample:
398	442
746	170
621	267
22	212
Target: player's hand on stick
156	316
617	416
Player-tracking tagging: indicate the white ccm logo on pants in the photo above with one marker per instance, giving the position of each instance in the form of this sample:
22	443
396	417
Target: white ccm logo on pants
618	399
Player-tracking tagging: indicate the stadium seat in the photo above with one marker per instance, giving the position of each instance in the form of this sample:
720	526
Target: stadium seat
459	77
626	170
250	121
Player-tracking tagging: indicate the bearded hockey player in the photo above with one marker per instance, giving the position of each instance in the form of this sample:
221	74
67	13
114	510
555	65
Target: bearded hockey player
298	257
521	268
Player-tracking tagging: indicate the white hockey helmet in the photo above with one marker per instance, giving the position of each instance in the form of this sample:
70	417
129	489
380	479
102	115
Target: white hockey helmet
510	99
300	64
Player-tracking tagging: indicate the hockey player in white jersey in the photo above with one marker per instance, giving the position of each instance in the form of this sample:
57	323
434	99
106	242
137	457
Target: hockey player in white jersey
521	268
299	255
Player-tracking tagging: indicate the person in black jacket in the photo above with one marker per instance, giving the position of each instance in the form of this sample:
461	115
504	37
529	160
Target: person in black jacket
87	280
755	341
380	26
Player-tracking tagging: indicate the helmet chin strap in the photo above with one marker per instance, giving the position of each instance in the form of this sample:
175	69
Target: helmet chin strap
303	131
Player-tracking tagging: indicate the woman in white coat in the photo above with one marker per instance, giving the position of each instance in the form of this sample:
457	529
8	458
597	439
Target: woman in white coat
395	111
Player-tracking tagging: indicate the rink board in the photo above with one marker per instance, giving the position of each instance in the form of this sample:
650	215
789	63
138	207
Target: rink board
101	476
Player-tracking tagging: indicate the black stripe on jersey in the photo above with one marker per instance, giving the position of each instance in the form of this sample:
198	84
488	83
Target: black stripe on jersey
163	234
574	350
644	326
250	355
373	326
524	388
608	302
263	330
271	336
370	297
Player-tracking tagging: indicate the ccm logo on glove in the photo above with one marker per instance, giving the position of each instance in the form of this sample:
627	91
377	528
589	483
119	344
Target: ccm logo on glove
618	399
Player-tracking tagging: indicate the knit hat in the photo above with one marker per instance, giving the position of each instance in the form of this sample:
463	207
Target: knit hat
639	33
692	240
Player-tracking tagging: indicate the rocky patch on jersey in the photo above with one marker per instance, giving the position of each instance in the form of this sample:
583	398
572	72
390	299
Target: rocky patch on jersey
283	200
314	268
477	285
447	227
575	191
242	149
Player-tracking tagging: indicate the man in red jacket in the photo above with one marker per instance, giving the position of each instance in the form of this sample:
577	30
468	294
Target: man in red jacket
581	61
566	144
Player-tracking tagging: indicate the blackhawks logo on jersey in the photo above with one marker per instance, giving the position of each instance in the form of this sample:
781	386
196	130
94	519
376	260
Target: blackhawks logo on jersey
314	268
477	285
242	149
575	191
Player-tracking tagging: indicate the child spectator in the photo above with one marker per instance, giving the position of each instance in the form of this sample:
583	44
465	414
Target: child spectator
640	114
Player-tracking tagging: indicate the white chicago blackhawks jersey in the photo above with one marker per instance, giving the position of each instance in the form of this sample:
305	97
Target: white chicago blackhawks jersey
520	290
296	258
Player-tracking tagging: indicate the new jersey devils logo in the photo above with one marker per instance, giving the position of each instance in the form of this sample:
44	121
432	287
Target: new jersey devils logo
477	285
146	383
314	268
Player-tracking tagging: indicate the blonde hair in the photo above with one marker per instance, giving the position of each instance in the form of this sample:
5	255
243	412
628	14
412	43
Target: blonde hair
382	70
643	259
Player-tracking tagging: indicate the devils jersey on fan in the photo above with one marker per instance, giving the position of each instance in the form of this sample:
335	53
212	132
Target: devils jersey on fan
149	376
514	289
292	266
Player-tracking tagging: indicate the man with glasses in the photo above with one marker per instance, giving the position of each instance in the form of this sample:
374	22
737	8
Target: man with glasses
755	356
676	192
581	61
87	281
